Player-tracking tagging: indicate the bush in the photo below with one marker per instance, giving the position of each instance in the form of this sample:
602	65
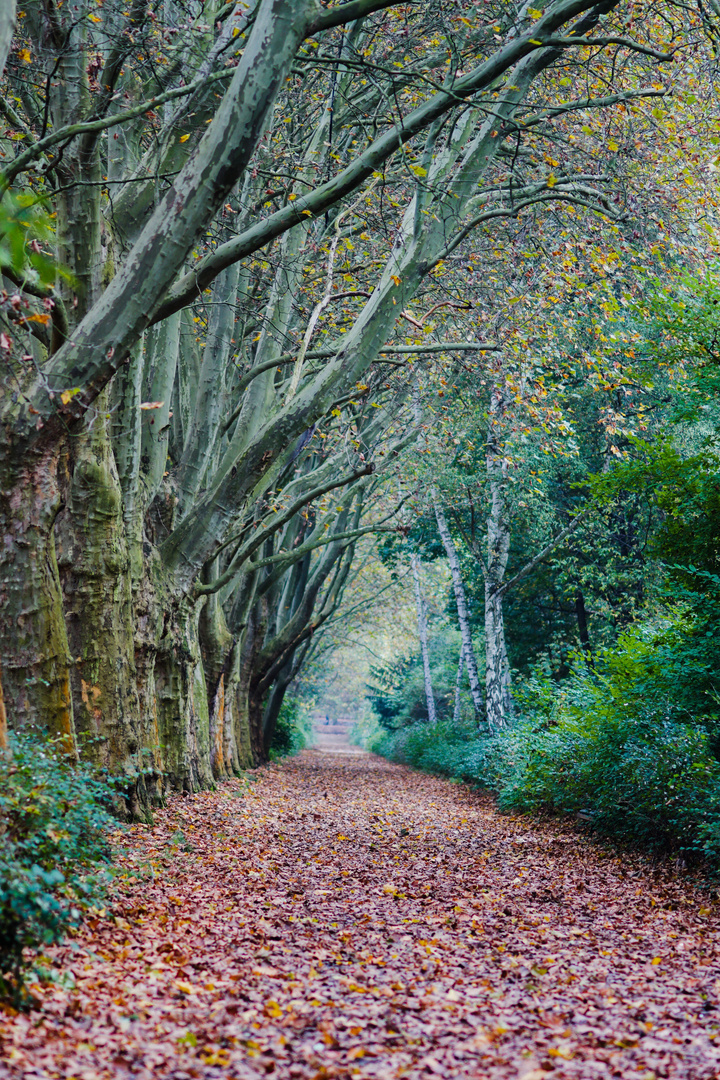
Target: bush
54	855
455	751
293	730
619	744
630	744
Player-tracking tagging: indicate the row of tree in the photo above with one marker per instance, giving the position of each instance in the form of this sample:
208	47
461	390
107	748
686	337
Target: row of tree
243	244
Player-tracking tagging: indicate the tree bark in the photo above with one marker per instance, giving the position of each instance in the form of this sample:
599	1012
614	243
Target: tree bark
461	602
7	29
498	703
3	720
497	669
422	633
457	712
97	602
182	705
581	615
34	652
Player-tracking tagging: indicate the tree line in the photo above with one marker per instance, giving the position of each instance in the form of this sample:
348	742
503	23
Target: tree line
239	243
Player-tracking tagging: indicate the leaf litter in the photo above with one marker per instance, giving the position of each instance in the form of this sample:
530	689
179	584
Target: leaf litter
345	917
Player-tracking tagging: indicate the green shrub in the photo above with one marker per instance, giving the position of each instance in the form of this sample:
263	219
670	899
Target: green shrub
619	744
53	852
457	751
293	730
630	743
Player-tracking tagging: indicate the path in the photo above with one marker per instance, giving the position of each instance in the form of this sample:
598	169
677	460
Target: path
334	737
344	917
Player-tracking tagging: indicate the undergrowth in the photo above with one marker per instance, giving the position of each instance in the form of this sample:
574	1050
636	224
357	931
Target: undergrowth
293	729
54	856
629	744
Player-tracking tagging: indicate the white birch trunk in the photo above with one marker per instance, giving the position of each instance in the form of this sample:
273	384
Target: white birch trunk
462	609
457	714
422	631
497	669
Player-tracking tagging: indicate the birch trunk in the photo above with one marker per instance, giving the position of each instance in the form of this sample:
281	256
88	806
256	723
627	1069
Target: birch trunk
462	610
422	632
457	713
497	668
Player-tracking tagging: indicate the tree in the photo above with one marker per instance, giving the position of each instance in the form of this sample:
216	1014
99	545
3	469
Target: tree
193	383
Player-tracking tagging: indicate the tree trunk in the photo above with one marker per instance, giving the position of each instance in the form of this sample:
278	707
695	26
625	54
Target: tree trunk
236	729
461	602
497	669
182	703
94	572
422	632
457	712
7	28
216	643
498	703
34	655
3	721
581	614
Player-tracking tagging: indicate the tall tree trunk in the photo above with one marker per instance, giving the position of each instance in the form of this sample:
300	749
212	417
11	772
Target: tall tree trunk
7	28
3	720
216	644
34	653
457	711
498	703
497	669
581	614
94	572
422	632
462	610
182	702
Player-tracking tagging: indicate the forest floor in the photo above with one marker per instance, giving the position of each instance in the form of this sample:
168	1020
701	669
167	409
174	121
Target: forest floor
335	915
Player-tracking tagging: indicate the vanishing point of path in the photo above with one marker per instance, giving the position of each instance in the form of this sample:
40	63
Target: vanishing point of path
340	916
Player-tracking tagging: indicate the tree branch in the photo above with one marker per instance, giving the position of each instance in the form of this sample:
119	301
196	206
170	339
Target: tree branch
529	567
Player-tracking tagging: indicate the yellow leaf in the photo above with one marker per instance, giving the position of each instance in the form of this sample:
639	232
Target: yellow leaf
184	138
24	54
612	145
534	13
236	31
94	18
395	278
656	960
291	197
551	180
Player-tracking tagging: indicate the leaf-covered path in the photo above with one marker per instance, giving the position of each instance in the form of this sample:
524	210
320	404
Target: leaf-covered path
341	916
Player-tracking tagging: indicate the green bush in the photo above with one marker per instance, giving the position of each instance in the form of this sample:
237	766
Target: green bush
53	854
619	744
630	744
458	751
293	730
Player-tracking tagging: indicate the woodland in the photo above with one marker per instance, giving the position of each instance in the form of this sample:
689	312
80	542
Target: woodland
358	359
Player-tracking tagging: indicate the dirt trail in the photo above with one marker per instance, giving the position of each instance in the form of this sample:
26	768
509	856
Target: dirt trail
340	916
